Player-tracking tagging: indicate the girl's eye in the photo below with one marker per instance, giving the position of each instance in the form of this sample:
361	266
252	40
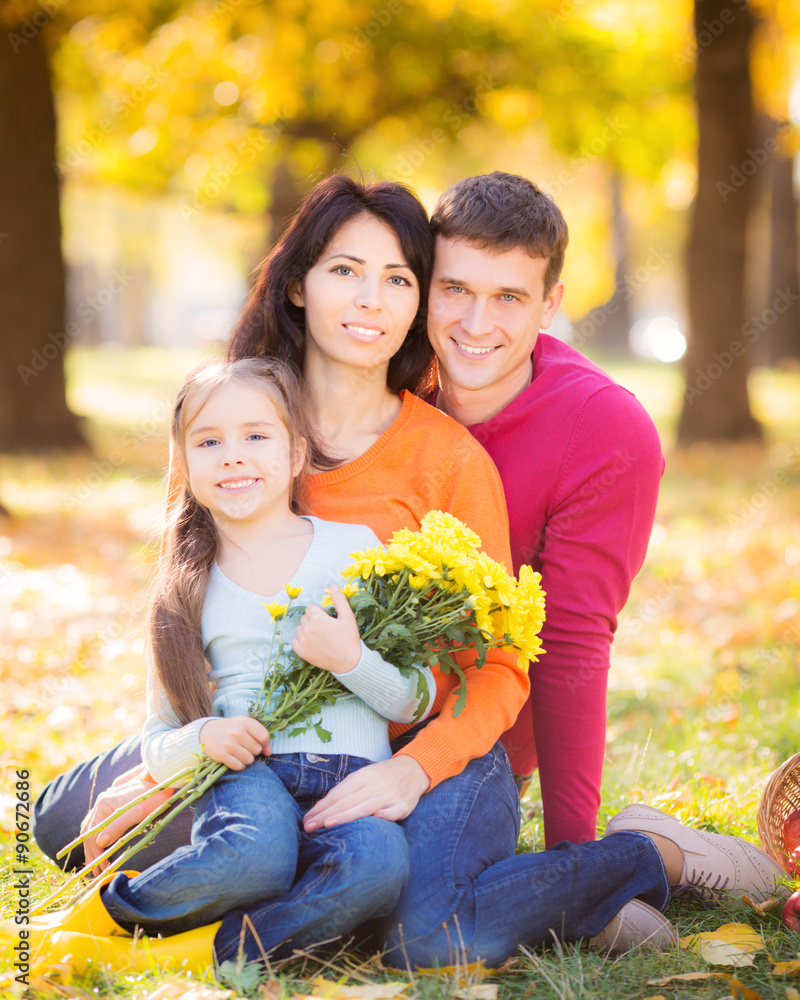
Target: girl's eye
257	437
207	442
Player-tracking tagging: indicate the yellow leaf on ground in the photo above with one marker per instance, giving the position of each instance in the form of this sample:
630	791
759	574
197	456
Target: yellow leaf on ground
730	944
737	989
658	996
465	973
791	993
790	968
483	991
326	989
181	989
722	953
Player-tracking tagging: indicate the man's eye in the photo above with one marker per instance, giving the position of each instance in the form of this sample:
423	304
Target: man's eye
455	288
508	297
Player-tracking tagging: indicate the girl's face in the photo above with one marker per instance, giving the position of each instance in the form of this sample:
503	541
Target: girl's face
360	297
239	460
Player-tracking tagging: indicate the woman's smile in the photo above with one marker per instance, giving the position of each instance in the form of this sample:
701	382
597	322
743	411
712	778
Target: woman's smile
360	292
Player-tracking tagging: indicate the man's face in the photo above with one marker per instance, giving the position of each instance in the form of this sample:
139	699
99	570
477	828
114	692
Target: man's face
485	313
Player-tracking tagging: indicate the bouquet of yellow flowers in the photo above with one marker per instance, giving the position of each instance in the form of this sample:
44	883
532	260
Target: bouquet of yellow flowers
418	601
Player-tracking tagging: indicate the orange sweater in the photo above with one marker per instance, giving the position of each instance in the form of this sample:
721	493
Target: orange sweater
426	461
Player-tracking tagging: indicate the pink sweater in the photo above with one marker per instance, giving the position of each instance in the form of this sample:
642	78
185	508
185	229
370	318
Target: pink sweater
581	462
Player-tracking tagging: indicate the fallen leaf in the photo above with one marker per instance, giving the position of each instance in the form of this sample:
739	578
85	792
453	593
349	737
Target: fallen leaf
730	944
178	989
465	974
270	990
326	989
722	953
658	996
762	908
791	993
737	989
480	991
685	977
790	968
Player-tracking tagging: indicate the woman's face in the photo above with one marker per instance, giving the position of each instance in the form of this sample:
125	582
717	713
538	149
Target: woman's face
360	298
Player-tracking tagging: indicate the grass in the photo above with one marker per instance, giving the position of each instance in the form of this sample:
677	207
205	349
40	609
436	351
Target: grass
703	698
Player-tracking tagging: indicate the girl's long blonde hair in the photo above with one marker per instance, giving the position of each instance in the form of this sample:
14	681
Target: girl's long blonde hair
189	542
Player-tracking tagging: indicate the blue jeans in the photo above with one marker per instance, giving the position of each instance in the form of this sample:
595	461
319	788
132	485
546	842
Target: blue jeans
245	848
463	871
469	897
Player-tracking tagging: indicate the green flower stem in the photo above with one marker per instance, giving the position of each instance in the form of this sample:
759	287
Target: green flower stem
124	808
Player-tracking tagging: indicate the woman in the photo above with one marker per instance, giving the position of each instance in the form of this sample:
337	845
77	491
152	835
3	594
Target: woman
343	298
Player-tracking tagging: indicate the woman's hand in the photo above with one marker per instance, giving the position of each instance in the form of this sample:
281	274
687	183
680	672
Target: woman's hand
332	644
234	742
389	789
791	912
125	788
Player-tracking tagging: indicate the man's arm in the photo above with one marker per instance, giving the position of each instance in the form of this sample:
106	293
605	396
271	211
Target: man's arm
595	540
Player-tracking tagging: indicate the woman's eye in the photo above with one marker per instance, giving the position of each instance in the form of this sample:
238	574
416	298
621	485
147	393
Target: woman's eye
399	280
341	269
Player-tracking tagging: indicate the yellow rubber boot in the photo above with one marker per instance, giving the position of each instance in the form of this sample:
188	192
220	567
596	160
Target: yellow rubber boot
191	951
87	915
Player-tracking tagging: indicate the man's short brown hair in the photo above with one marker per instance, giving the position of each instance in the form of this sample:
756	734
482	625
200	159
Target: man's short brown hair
499	212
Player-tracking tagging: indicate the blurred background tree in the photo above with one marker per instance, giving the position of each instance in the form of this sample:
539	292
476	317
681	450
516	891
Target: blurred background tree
187	131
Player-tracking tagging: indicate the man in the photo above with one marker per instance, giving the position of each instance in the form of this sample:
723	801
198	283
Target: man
579	458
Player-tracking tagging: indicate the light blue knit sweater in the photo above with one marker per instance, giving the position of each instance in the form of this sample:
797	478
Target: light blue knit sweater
237	631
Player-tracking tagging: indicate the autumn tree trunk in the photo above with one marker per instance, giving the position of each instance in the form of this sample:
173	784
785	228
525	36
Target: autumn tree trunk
783	307
33	407
716	404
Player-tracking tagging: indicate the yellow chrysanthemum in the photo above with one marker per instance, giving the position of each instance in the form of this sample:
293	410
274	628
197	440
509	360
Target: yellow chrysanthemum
276	610
418	582
292	591
446	527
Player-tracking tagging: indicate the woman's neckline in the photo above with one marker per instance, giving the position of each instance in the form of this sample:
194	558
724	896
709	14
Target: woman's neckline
315	523
356	465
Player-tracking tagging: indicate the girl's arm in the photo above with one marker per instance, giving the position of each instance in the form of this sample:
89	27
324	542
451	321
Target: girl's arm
334	644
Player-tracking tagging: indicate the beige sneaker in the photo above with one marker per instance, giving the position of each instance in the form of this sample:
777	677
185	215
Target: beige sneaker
713	864
637	925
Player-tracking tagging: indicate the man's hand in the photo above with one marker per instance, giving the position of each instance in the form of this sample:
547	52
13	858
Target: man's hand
126	788
332	644
389	789
234	742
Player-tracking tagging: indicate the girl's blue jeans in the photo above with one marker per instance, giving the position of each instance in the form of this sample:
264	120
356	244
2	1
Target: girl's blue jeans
248	845
467	895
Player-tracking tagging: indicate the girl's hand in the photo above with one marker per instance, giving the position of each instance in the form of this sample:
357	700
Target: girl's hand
332	644
234	742
791	912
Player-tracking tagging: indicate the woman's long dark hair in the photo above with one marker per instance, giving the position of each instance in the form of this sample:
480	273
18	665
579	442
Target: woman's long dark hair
272	324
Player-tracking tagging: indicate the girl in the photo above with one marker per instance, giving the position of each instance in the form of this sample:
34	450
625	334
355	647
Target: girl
236	539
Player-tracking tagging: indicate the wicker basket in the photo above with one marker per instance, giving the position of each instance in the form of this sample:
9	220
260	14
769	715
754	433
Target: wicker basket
780	799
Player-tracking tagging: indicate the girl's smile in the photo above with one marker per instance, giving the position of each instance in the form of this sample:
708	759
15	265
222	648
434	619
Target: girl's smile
239	460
